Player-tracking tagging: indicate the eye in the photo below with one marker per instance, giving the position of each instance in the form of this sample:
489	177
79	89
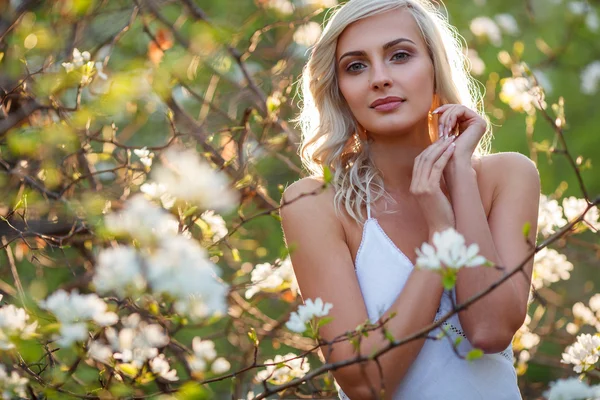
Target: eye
400	56
351	67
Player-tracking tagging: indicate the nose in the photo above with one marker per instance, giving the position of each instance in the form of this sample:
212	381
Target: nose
380	77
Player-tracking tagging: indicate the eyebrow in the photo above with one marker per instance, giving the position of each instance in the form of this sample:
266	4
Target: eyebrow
385	47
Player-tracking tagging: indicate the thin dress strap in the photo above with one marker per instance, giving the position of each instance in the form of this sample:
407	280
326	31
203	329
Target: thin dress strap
368	202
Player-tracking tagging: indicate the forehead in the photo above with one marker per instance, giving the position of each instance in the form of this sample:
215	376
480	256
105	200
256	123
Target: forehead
375	31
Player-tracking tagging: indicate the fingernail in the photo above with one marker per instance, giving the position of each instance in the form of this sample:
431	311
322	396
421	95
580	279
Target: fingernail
437	110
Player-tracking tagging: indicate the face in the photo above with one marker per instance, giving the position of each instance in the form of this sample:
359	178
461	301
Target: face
385	73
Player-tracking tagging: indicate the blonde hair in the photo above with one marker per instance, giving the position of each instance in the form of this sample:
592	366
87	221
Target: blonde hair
329	130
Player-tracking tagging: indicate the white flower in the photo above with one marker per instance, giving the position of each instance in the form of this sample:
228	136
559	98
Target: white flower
293	367
477	64
283	6
581	312
550	216
521	94
145	156
220	366
180	267
484	26
307	312
507	23
578	7
100	70
571	389
73	310
160	366
13	324
12	386
158	191
268	278
80	58
316	3
307	34
574	207
549	267
583	354
595	302
591	20
188	178
143	221
216	224
590	78
69	67
99	352
204	352
71	333
450	251
529	340
119	271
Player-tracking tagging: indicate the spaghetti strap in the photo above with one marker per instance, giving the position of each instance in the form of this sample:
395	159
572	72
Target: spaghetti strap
368	202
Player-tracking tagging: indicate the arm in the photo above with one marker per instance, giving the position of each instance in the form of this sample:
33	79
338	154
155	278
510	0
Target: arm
491	322
324	268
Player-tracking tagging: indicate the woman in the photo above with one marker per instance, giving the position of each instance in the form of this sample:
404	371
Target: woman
389	109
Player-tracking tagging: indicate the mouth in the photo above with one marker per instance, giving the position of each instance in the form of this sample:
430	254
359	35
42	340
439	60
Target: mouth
387	103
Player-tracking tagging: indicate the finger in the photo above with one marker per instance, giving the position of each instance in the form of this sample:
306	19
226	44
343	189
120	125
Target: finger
440	164
427	158
444	119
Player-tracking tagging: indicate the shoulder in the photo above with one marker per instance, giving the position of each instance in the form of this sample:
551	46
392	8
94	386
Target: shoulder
508	170
308	201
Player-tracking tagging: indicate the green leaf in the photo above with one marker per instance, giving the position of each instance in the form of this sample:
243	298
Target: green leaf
449	280
324	321
276	215
458	341
474	354
253	337
190	211
326	174
128	369
388	335
526	229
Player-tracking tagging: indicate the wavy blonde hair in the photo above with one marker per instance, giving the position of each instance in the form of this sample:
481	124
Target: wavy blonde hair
329	130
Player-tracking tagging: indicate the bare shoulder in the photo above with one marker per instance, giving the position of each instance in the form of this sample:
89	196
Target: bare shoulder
309	202
507	169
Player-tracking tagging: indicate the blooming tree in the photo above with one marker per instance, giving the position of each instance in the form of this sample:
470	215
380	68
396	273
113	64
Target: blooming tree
144	146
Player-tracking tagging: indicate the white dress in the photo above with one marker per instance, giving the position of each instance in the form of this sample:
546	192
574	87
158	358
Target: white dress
437	373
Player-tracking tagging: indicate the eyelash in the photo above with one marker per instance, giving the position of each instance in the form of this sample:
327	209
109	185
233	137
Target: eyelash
348	68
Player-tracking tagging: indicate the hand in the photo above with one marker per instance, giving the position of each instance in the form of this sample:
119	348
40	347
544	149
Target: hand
471	128
425	184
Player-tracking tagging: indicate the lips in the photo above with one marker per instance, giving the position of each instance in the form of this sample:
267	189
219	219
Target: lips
386	100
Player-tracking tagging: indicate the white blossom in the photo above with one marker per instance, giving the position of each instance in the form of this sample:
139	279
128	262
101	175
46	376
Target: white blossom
145	156
69	67
100	70
158	191
293	367
13	324
12	386
583	354
583	313
220	366
215	223
119	270
142	220
204	352
550	216
507	23
316	3
521	94
549	267
574	207
188	178
180	268
307	34
268	278
73	310
448	250
99	352
160	366
595	303
592	21
80	58
306	313
590	78
283	6
571	389
484	26
477	64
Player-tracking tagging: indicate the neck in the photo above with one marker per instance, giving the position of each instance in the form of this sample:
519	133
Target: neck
394	156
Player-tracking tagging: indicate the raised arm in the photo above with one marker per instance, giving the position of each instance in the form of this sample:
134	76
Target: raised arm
324	268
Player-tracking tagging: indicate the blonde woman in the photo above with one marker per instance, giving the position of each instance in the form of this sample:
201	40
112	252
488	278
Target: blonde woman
389	108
